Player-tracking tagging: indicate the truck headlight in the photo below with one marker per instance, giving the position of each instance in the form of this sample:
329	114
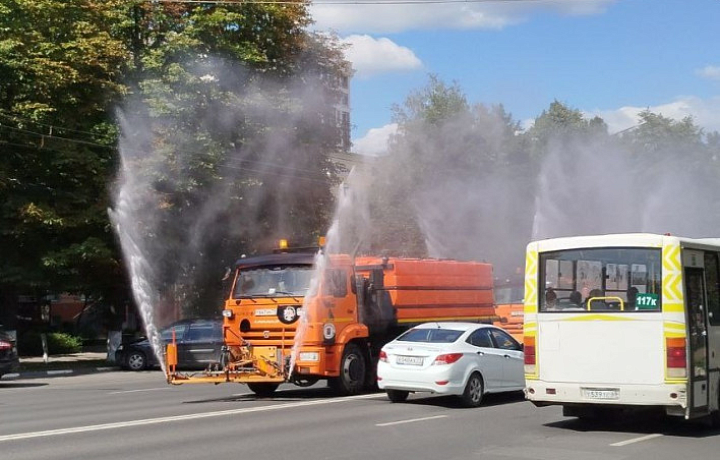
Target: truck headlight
309	356
227	314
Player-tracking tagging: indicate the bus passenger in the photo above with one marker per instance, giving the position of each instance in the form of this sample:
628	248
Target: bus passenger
596	304
550	298
575	299
631	297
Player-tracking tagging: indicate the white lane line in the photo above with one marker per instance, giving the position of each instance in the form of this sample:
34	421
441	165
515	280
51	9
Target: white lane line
137	391
400	422
634	440
179	418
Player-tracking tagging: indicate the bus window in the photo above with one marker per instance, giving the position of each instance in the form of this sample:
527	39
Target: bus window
601	279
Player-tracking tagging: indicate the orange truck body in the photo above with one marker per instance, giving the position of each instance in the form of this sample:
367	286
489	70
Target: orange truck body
336	334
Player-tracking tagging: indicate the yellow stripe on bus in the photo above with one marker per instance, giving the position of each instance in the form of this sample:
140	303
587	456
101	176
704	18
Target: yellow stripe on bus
673	307
531	270
600	317
671	258
672	294
674	326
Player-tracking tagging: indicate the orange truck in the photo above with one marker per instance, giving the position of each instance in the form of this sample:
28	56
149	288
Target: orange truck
273	334
509	307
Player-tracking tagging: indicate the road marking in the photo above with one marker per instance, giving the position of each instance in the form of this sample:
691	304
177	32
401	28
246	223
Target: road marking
137	391
179	418
400	422
634	440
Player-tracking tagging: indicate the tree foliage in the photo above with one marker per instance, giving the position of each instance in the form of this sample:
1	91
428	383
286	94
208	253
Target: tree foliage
444	153
60	72
240	137
65	68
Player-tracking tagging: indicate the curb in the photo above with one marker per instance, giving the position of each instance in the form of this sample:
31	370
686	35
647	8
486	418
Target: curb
57	373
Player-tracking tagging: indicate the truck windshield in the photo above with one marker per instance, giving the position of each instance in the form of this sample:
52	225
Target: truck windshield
284	280
508	295
600	279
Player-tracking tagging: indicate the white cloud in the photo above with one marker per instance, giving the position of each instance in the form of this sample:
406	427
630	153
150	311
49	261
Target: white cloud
394	18
704	112
711	72
375	142
371	56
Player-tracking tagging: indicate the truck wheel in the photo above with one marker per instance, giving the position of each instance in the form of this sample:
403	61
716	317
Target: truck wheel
353	370
263	389
397	395
473	394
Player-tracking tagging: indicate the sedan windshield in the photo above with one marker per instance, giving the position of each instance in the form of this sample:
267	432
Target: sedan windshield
430	335
276	280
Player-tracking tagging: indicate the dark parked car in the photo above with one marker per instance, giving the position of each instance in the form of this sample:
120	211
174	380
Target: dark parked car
8	354
199	344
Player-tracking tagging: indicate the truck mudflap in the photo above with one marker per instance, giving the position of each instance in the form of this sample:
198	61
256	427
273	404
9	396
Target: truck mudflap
246	364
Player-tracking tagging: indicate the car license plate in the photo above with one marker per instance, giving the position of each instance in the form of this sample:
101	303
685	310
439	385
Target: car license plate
597	393
409	360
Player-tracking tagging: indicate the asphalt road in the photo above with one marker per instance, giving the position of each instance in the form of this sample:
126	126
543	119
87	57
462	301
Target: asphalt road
122	415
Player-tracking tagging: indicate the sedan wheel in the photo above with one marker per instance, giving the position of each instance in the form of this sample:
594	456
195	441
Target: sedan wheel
136	361
473	394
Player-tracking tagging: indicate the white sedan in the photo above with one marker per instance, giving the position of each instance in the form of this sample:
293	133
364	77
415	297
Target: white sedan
464	359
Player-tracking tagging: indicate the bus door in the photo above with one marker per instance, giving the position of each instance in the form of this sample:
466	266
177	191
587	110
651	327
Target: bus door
697	340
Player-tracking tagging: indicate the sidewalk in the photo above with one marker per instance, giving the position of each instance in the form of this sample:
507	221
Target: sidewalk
62	365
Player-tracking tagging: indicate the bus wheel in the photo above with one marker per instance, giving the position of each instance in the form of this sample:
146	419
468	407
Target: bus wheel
353	369
715	419
263	389
715	416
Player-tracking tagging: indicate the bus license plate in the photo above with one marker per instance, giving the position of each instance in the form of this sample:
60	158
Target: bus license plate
409	360
601	394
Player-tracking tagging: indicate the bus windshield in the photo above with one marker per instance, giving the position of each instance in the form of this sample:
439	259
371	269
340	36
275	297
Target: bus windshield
601	279
284	280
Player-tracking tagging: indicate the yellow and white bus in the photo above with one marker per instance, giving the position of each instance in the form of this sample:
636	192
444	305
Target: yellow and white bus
623	321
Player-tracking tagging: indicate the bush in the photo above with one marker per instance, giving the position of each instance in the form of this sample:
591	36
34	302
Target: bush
30	344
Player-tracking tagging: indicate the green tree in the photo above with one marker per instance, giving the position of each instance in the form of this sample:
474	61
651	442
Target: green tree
656	134
228	97
560	124
60	73
65	67
450	166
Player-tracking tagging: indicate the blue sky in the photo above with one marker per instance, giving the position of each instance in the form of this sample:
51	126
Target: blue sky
611	58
